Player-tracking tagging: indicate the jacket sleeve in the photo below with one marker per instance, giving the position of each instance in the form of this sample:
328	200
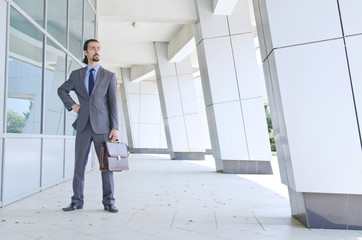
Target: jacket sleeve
63	92
112	102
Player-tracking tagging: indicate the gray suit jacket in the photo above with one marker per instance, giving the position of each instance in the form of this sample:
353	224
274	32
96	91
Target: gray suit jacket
100	107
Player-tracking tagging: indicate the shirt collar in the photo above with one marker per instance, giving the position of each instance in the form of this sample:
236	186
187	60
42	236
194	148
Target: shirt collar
96	68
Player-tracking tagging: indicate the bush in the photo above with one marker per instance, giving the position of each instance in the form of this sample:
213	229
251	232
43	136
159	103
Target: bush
270	128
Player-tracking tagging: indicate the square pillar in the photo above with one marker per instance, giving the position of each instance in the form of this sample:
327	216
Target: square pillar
313	80
143	118
179	106
232	90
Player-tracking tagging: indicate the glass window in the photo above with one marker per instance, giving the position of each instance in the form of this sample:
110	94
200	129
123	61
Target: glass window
55	76
93	2
71	115
75	28
57	20
89	22
35	9
24	76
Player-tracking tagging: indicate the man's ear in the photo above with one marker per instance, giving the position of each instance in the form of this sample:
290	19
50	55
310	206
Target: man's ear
85	53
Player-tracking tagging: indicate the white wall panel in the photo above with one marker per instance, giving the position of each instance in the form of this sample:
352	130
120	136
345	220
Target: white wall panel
132	87
279	125
263	28
239	21
351	16
214	139
194	133
354	50
246	66
122	131
210	25
166	68
204	75
206	137
134	107
149	136
150	109
178	134
148	87
321	128
53	160
162	134
272	95
230	130
184	67
297	22
21	167
202	111
172	96
122	134
256	129
220	76
135	134
69	158
188	94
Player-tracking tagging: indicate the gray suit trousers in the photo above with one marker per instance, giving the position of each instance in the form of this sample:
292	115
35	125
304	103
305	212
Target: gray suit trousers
83	142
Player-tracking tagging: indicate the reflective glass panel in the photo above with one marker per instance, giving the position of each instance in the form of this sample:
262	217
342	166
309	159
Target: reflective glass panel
57	20
71	115
24	76
54	77
93	2
75	28
89	22
34	8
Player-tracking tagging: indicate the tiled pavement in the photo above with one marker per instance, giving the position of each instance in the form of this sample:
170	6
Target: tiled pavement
162	199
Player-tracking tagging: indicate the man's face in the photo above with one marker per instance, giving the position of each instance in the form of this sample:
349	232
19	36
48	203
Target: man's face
92	52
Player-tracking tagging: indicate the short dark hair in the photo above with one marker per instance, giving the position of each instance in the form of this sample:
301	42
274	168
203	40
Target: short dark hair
85	48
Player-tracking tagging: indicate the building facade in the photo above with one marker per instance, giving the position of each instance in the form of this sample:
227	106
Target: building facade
310	56
41	43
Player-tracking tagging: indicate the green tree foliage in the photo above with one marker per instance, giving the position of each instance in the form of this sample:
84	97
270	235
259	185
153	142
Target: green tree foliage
27	114
15	122
270	128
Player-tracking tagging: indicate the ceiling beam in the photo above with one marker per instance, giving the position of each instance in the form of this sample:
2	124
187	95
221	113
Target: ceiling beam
139	73
183	44
127	54
175	11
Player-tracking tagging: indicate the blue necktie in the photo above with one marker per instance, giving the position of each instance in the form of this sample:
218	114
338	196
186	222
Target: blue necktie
91	81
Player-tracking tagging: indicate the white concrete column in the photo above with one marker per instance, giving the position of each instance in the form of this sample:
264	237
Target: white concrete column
123	119
124	104
145	126
311	54
232	90
202	111
179	106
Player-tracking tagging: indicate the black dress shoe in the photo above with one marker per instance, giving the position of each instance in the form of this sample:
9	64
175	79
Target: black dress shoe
72	207
110	208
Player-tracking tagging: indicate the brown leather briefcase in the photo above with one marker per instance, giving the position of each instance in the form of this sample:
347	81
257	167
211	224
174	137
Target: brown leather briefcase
114	157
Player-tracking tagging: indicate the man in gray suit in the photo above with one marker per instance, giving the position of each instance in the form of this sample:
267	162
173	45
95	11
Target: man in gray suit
97	120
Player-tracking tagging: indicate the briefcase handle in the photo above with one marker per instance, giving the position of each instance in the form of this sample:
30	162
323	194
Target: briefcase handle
117	141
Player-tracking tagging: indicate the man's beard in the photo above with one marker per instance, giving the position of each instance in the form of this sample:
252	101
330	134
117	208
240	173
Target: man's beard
95	59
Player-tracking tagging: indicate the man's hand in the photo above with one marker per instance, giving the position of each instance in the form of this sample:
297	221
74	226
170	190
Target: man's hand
76	108
113	135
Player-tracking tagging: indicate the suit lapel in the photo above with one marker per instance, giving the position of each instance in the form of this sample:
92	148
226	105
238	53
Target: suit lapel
99	80
83	90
